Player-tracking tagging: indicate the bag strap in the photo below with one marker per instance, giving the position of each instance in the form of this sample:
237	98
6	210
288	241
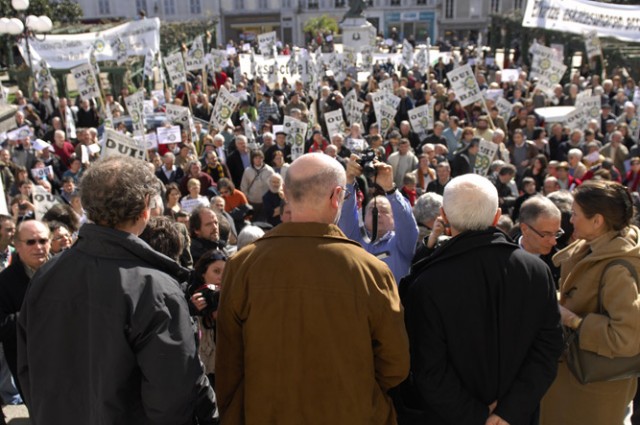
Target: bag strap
619	262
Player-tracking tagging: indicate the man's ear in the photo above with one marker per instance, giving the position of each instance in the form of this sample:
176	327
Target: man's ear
497	217
443	215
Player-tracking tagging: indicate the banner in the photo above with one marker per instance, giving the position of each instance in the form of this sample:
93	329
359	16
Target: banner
120	48
135	106
42	173
175	68
354	113
149	63
579	16
42	201
421	119
66	51
484	157
21	133
226	103
504	107
592	44
177	114
86	81
168	135
464	84
120	144
296	131
335	122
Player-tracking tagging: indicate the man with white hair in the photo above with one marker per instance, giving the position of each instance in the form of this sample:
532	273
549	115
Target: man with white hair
319	303
629	117
616	151
482	317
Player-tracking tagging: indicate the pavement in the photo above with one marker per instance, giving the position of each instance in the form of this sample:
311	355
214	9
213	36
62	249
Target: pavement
16	415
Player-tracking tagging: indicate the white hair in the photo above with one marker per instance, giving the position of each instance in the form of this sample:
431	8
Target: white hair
575	152
249	234
427	207
470	202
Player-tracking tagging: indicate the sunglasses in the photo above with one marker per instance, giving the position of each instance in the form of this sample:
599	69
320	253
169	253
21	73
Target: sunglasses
32	242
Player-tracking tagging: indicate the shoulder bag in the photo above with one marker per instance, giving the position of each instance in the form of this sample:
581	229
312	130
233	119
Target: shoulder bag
588	366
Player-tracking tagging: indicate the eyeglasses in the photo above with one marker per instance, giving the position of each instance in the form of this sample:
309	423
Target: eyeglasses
347	194
32	242
556	235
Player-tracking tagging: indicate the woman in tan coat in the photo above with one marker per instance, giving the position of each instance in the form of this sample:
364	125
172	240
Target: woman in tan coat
601	217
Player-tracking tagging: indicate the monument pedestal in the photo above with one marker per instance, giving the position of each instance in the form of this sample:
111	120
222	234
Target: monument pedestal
357	33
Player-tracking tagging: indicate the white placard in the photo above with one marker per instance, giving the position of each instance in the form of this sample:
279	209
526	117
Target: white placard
226	103
42	201
168	135
464	84
335	122
86	81
115	143
484	157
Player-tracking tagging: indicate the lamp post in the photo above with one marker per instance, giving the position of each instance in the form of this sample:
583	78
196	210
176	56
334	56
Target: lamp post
25	28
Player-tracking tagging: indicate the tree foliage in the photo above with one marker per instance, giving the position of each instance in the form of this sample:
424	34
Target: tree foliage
321	24
63	11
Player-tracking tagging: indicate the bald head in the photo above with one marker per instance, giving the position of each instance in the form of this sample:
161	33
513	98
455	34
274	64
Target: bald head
310	184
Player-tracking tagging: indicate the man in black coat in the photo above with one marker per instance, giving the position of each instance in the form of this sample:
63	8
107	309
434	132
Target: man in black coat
238	160
482	318
104	334
32	246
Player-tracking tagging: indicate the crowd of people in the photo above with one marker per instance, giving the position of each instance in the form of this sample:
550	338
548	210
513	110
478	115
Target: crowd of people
297	268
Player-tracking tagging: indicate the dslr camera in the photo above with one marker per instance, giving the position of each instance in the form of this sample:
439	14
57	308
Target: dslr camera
366	162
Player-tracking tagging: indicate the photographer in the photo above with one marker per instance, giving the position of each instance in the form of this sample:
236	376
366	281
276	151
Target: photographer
397	231
204	291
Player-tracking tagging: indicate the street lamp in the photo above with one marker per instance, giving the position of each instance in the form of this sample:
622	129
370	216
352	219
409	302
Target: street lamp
25	27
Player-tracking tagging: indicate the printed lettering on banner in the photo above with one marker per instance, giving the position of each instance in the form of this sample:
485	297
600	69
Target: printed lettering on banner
590	107
464	84
549	72
226	103
115	143
386	84
421	119
575	120
86	81
120	48
385	119
335	122
350	97
484	157
42	173
167	135
149	63
367	57
42	201
579	16
378	98
177	114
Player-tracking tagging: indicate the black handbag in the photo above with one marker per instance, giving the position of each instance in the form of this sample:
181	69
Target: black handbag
588	366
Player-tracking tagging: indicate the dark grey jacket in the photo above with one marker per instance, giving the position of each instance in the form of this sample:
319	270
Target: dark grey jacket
105	338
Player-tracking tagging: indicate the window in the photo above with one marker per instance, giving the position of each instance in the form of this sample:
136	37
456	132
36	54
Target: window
103	7
495	6
141	5
518	5
340	3
263	4
448	9
238	4
313	4
395	2
169	7
196	8
286	4
421	2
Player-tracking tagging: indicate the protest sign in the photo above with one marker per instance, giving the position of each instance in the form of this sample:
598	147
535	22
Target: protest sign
335	122
421	120
407	54
135	106
21	133
86	81
385	119
296	136
195	59
149	63
175	68
592	44
266	43
42	201
354	112
484	157
548	71
226	103
464	84
42	173
115	143
167	135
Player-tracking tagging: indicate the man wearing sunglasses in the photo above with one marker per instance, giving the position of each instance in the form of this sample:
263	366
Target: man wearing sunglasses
32	245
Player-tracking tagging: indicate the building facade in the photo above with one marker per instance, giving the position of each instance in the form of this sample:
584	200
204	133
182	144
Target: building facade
243	19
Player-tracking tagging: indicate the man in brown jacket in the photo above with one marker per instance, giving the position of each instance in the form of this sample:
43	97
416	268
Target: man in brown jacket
310	327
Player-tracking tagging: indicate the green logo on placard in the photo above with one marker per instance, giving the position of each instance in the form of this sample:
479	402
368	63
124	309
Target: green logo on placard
225	112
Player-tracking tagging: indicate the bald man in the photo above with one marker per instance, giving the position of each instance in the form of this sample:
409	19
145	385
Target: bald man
323	340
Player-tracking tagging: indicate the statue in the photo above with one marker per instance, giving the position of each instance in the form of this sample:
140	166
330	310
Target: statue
356	9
